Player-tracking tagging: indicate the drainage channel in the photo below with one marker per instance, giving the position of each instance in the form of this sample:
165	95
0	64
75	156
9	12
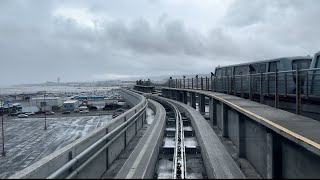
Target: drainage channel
180	155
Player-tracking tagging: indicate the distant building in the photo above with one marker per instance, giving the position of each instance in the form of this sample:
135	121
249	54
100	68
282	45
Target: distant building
111	101
71	104
47	103
30	109
86	97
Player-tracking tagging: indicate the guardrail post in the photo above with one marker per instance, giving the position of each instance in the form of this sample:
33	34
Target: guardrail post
241	86
192	83
197	84
268	76
184	83
228	85
250	86
211	83
307	88
298	93
276	89
261	88
285	85
207	88
233	81
201	83
188	83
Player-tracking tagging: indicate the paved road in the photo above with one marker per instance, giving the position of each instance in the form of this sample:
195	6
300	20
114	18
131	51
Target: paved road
26	141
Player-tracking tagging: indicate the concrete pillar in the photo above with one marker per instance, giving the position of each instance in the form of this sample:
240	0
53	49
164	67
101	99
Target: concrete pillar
224	111
241	147
213	111
171	94
181	96
176	95
202	103
193	100
185	97
270	155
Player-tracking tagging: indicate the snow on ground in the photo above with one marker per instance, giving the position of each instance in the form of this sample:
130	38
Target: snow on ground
26	141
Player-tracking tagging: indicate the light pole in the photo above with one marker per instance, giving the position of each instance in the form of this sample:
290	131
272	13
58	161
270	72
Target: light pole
45	115
3	152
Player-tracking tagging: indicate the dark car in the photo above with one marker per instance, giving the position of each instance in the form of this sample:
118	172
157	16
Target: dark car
13	114
92	108
66	112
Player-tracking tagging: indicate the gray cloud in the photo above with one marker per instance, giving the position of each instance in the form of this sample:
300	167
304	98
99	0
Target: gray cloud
37	46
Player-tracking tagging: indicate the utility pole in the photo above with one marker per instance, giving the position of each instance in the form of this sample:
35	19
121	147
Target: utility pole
3	152
45	115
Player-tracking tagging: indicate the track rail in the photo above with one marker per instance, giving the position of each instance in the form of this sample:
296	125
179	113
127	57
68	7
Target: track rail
179	157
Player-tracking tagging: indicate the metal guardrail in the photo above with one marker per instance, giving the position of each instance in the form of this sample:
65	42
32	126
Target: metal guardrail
179	157
296	84
78	163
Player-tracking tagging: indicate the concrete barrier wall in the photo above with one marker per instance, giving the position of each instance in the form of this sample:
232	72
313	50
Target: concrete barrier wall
233	124
217	161
142	161
49	164
255	145
298	162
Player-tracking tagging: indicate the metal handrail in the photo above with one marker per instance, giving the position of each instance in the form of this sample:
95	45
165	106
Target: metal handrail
82	156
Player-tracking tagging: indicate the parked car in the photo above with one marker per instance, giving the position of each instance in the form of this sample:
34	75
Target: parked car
13	114
94	108
66	112
22	116
30	113
76	110
84	111
49	113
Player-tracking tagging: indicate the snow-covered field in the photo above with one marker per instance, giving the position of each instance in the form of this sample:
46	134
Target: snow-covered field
26	141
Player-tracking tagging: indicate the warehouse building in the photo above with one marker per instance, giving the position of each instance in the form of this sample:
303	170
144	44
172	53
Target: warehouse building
71	104
47	103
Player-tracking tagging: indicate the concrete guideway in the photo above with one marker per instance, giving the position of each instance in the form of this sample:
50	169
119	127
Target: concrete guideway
277	143
218	162
141	163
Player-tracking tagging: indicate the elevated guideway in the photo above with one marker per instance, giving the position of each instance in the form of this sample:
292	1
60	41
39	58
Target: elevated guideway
279	144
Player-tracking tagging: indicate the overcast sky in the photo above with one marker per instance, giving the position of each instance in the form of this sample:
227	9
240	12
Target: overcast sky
81	40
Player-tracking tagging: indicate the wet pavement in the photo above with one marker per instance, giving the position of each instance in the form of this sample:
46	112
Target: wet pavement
26	141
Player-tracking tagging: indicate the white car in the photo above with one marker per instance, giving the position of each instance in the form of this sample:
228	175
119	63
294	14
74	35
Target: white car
84	111
30	113
49	113
22	116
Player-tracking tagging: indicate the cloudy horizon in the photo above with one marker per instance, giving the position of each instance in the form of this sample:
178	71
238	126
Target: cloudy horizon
96	40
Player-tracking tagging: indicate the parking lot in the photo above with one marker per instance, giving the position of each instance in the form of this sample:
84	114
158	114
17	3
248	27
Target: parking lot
26	141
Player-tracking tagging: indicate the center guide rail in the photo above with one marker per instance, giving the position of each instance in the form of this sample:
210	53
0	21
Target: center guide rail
179	159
